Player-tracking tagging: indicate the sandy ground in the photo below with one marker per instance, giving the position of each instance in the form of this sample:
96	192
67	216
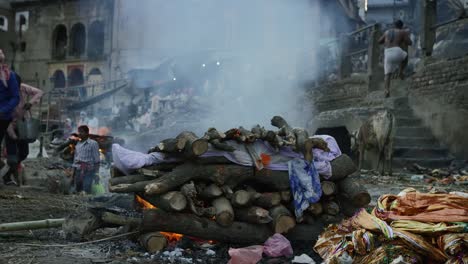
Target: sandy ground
50	246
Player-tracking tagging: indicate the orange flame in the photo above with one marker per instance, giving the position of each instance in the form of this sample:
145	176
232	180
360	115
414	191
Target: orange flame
171	237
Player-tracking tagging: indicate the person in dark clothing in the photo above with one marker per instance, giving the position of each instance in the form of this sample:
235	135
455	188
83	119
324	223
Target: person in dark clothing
9	95
18	149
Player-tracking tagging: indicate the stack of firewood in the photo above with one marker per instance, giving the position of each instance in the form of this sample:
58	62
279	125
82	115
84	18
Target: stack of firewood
214	199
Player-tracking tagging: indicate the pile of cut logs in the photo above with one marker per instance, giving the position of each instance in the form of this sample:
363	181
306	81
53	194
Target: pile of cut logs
214	199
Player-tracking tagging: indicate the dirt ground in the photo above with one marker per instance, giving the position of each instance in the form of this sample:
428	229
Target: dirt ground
50	246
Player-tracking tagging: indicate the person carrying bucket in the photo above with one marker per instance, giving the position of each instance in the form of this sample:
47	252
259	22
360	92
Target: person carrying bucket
18	149
9	95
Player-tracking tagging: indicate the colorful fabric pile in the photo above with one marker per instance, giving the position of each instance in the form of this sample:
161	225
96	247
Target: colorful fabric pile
410	227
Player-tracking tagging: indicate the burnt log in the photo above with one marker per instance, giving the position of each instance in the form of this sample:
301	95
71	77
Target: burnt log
342	167
130	179
354	192
129	188
203	228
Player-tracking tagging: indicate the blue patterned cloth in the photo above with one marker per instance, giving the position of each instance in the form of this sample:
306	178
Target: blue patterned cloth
305	185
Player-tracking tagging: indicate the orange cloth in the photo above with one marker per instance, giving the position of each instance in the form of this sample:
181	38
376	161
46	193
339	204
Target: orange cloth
423	207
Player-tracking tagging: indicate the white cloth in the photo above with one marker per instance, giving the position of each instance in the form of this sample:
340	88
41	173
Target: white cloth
393	58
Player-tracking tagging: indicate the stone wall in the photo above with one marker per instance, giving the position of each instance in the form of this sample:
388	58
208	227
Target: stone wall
439	96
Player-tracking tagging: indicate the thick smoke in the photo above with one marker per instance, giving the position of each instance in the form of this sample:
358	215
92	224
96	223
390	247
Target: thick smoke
264	52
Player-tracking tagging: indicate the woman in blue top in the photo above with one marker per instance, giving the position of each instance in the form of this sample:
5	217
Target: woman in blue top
9	95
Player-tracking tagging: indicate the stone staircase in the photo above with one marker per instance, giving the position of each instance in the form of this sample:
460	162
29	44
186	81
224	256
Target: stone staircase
415	143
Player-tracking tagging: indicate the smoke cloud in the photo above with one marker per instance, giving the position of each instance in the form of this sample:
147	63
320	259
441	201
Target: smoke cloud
263	53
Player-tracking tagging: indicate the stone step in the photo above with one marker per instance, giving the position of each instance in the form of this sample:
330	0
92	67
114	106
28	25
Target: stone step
408	121
428	163
420	152
413	131
404	113
415	142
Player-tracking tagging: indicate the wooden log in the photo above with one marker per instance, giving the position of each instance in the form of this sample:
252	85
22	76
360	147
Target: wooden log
169	145
153	242
249	136
282	220
164	167
259	131
286	196
114	172
354	192
119	220
268	200
172	201
331	208
149	173
227	190
342	167
272	180
129	188
30	225
315	209
328	188
304	232
280	122
224	211
216	143
203	228
213	134
241	198
346	206
213	160
194	146
130	179
253	214
234	134
309	219
211	191
330	219
219	174
301	135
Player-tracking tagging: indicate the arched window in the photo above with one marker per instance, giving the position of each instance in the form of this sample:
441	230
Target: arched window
59	42
77	40
76	78
95	78
59	79
96	40
3	23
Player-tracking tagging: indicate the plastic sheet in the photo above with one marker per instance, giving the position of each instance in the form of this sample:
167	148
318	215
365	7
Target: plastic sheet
246	255
277	246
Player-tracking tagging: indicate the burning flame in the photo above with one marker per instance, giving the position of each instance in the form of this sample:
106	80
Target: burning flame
171	237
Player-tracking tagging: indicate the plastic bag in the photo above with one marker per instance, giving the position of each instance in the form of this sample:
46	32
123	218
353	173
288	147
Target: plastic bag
277	246
247	255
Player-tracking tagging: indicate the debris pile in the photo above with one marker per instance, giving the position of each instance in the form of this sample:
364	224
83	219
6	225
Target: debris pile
241	186
457	174
410	227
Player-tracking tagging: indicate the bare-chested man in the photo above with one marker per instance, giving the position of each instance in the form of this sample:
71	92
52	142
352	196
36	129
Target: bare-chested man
396	42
